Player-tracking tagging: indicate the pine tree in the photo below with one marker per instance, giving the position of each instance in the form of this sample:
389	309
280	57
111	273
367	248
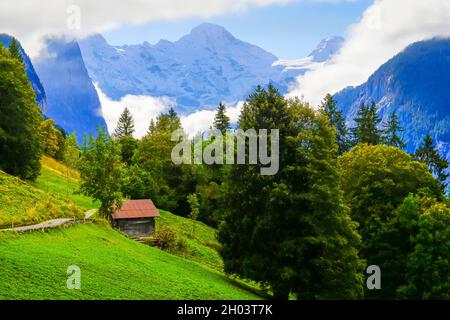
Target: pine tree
336	119
428	154
125	126
221	120
392	130
367	121
165	122
15	50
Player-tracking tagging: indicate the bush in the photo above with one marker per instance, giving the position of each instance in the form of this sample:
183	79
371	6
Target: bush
166	238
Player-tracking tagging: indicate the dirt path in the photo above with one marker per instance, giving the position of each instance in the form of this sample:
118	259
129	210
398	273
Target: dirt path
50	224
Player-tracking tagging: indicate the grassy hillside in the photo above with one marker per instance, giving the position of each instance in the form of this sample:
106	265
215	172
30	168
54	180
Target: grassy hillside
33	266
23	204
202	246
57	179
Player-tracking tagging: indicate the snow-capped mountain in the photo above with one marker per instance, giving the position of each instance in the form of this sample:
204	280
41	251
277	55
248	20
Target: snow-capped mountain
199	70
36	84
72	100
415	85
323	52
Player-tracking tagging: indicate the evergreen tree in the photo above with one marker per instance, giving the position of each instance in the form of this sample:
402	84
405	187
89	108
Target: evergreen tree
221	120
192	199
337	120
428	154
366	129
15	50
290	230
165	123
125	126
392	130
21	144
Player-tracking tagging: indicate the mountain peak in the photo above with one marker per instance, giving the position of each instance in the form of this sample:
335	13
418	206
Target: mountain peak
210	31
326	48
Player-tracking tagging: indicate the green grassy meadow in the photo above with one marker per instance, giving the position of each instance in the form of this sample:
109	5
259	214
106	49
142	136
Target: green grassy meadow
23	204
57	179
34	265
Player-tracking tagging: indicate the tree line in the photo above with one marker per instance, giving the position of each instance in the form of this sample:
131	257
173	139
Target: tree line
343	199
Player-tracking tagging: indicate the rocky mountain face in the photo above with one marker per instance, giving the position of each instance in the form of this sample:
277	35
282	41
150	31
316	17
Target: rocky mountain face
415	85
72	100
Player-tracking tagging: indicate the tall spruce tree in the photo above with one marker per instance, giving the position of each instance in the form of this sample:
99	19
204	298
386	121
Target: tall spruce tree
290	230
221	120
392	130
337	120
125	126
15	50
428	154
367	122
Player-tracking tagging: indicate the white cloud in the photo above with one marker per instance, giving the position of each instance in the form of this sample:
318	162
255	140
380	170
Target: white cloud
143	109
202	120
29	20
385	29
146	108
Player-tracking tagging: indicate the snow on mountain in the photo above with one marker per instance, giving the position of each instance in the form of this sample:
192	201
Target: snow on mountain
199	70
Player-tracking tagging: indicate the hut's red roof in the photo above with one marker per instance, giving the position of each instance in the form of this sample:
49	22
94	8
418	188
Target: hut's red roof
132	209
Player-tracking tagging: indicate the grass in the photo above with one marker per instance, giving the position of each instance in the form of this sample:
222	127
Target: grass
54	178
33	266
23	204
202	246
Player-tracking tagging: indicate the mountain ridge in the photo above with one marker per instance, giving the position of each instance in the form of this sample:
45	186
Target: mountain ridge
413	84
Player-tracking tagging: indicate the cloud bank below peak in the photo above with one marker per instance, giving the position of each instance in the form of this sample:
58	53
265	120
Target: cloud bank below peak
385	29
146	108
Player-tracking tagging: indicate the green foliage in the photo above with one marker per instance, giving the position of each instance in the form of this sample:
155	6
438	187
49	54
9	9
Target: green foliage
336	119
194	205
15	50
21	144
375	181
128	147
221	120
125	126
367	122
54	141
138	183
392	130
173	182
165	123
427	271
428	154
112	266
101	172
291	230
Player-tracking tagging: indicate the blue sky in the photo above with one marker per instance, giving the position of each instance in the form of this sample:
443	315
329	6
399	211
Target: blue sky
288	31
